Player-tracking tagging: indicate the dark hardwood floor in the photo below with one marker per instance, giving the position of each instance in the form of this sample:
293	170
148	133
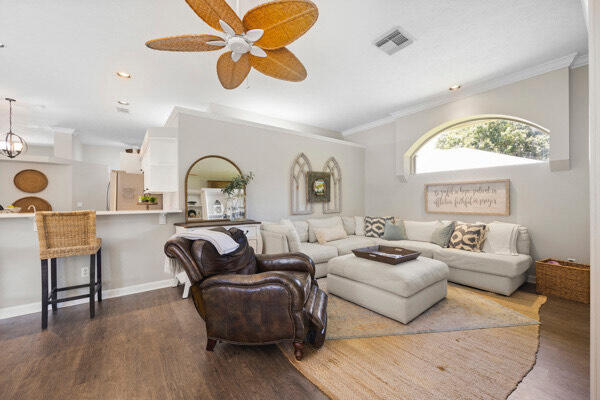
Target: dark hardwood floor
144	346
562	368
151	346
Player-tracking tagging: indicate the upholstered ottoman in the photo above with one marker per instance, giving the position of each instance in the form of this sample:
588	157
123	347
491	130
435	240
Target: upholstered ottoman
401	292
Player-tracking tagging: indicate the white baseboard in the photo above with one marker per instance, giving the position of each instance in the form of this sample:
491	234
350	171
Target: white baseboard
15	311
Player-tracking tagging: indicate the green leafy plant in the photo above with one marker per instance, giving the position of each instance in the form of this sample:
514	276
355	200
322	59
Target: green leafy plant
147	199
238	183
499	136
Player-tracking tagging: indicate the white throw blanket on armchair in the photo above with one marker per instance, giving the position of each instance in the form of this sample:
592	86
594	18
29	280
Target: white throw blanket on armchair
222	242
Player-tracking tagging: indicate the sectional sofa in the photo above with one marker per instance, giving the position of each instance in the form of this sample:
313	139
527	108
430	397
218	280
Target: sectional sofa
497	273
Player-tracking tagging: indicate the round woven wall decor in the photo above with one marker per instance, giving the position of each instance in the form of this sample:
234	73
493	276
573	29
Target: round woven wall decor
31	181
39	204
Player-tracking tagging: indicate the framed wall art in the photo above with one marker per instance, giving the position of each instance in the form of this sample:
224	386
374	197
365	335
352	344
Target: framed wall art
319	187
474	197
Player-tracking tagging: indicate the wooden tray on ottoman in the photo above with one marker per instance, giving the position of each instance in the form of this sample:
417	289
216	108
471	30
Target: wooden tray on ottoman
386	254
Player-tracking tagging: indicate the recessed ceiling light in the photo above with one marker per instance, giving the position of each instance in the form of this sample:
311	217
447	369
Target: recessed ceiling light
1	45
122	74
123	102
453	88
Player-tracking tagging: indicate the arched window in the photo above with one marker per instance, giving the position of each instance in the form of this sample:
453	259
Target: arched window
479	142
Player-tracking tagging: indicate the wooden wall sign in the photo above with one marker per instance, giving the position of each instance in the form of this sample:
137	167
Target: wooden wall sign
475	197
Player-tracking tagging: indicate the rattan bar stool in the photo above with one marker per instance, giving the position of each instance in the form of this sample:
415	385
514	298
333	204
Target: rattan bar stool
68	234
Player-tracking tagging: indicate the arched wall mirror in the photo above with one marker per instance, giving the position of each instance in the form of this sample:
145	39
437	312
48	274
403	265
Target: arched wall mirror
204	198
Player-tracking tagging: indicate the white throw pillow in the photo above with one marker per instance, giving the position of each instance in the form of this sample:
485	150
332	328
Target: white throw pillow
349	225
359	226
292	236
317	223
523	241
325	235
501	238
420	231
302	229
284	229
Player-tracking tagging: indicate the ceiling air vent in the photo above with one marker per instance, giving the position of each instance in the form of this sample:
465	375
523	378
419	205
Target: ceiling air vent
123	110
393	41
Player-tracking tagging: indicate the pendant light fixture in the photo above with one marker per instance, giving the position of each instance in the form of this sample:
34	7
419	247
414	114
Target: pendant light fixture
13	144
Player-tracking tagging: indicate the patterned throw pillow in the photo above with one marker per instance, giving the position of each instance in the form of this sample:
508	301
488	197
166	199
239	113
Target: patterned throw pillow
375	226
467	237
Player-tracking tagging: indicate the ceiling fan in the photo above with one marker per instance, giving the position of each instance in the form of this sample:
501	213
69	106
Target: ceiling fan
257	41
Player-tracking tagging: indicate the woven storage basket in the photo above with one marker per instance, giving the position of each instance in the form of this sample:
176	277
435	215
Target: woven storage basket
568	280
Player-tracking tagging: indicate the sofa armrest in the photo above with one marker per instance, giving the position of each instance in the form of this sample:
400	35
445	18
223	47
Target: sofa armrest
286	262
274	242
232	288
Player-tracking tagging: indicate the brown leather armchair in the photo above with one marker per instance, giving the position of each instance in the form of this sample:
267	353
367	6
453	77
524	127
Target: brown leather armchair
253	299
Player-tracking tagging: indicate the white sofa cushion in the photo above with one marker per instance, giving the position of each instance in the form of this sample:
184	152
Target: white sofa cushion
420	231
359	226
345	246
425	248
349	225
523	241
404	280
318	252
315	223
495	264
325	235
286	229
501	238
302	229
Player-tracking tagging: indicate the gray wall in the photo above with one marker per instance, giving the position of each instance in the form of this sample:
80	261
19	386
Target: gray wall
553	205
269	153
132	254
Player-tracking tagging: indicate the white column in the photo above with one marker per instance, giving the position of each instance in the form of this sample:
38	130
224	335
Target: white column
594	92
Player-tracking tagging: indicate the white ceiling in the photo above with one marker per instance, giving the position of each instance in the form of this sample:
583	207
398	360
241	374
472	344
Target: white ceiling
61	57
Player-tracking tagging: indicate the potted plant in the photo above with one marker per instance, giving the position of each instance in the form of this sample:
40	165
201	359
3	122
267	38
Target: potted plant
235	195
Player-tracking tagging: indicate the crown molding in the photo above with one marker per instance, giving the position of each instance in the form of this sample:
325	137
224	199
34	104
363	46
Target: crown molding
472	89
226	118
580	61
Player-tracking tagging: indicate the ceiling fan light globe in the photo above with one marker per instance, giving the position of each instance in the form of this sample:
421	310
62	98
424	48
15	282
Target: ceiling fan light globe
238	45
235	56
219	43
253	35
226	28
257	51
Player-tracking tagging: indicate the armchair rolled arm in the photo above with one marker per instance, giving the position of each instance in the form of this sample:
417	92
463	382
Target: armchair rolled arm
180	248
286	262
263	281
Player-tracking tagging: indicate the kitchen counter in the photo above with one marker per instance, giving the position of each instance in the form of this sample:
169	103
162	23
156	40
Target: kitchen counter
127	212
132	257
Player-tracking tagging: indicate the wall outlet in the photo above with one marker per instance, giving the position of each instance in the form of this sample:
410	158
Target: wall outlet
85	271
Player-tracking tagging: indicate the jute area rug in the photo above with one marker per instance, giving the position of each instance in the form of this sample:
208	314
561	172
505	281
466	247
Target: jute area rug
472	345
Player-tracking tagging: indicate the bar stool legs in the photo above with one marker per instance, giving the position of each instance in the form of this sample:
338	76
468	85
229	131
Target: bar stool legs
53	292
99	277
92	285
44	294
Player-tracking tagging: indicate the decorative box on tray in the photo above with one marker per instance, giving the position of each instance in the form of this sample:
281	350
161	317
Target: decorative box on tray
386	254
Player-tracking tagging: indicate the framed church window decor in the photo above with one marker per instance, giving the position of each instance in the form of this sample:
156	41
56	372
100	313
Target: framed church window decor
319	187
473	197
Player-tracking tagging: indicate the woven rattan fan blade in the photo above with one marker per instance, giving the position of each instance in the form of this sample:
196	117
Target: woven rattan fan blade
283	21
232	74
185	43
280	64
211	11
